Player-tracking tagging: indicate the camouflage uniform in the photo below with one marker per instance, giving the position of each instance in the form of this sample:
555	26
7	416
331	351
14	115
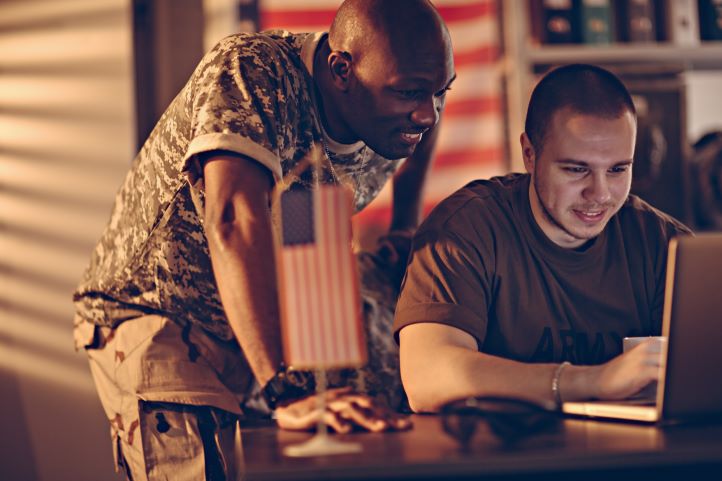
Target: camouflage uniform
253	94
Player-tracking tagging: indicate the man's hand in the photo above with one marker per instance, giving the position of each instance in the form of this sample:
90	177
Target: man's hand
628	373
345	410
409	182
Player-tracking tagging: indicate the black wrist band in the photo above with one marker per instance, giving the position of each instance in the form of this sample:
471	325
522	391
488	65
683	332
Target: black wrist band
288	384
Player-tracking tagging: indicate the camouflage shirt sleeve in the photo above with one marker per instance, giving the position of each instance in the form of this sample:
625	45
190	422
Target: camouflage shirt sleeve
244	100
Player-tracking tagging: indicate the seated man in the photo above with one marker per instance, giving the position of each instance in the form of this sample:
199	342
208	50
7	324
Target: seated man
525	285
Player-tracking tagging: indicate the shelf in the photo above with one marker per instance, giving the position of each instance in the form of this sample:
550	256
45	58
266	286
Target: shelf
524	59
706	56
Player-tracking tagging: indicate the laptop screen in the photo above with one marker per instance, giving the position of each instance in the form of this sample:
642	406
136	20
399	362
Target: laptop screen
692	323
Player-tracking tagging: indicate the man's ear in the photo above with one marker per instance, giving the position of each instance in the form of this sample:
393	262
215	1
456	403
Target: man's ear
339	64
527	152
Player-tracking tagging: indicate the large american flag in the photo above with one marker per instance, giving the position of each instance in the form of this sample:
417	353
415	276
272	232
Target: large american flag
472	139
320	306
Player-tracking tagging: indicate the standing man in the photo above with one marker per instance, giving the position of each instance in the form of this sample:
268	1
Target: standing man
525	285
178	310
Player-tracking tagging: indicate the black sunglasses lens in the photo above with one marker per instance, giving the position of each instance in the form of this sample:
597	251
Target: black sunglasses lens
508	419
512	427
461	424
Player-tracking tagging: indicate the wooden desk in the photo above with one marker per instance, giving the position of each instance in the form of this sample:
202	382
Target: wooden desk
580	449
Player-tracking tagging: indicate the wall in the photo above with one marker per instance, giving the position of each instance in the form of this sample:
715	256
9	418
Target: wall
66	139
704	103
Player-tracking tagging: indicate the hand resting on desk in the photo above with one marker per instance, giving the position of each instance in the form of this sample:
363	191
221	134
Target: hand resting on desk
345	410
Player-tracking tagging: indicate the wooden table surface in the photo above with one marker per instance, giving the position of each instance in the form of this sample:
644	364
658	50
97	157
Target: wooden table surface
578	449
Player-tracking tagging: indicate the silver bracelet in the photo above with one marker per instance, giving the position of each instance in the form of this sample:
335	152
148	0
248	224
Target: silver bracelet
556	392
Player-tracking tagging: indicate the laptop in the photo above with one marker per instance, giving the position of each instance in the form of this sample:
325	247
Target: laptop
691	386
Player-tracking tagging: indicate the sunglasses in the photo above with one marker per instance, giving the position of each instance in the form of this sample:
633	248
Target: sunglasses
509	419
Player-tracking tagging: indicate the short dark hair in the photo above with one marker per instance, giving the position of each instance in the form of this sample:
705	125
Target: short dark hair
586	89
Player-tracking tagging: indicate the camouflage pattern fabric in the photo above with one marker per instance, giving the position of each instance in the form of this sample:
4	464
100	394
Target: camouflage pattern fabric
171	393
164	425
253	95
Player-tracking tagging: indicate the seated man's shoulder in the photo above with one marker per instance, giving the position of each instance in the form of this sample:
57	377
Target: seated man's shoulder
472	204
639	214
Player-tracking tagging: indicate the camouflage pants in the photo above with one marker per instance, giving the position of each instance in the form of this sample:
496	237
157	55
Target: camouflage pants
172	397
173	394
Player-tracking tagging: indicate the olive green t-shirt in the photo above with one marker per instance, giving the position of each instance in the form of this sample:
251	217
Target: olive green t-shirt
481	263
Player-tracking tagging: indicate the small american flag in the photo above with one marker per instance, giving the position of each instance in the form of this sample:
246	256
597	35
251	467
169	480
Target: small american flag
318	280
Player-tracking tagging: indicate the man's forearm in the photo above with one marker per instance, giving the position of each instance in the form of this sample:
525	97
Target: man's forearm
456	370
243	261
409	182
240	240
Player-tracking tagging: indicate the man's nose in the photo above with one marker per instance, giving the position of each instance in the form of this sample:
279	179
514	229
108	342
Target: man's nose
598	189
426	113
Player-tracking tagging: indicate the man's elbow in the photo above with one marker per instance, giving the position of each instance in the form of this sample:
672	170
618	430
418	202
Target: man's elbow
222	236
421	388
434	364
229	230
237	219
421	403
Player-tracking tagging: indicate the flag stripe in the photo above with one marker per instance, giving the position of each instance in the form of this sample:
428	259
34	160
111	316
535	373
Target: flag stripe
342	217
472	107
354	304
304	307
469	33
295	279
306	331
332	336
305	315
326	246
339	311
311	291
455	13
291	274
292	18
475	81
344	300
482	54
469	133
347	293
470	157
352	298
284	278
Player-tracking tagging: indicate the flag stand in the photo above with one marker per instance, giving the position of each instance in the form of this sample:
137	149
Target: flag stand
239	464
321	444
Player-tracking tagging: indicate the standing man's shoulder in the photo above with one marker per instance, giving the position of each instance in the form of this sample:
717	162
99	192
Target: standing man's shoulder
648	220
269	42
269	54
251	95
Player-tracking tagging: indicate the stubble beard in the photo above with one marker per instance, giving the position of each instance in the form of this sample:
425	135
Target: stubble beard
553	220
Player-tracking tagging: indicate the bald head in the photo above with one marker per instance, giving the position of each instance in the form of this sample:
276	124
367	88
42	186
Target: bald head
362	27
383	73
